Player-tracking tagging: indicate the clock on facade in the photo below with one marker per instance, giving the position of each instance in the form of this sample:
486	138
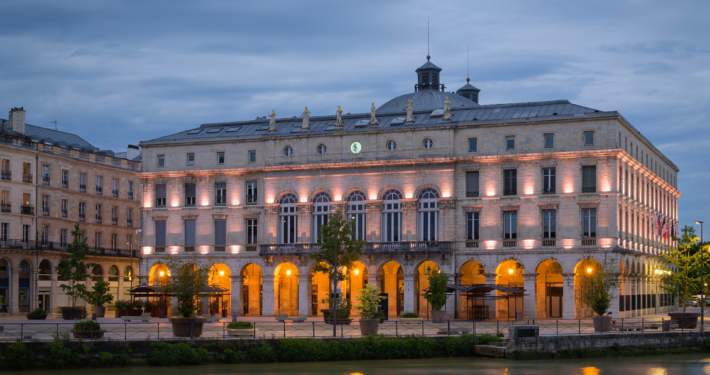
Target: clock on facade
356	147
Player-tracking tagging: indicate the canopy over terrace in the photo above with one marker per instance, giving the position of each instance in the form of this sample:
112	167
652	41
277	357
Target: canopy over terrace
477	295
146	291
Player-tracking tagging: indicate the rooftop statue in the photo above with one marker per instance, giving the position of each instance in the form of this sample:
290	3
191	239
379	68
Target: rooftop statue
306	120
339	118
447	110
410	110
373	119
272	122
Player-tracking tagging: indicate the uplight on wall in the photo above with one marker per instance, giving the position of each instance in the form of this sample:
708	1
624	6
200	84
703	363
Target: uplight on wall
357	272
221	273
288	272
147	250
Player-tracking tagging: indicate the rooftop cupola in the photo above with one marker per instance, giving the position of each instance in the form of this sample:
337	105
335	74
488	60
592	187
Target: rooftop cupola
428	76
468	91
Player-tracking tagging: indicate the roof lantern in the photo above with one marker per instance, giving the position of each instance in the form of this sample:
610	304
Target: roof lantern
428	77
468	91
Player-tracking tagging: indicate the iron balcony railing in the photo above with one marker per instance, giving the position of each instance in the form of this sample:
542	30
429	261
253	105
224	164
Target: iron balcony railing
548	191
6	175
589	189
129	222
82	188
114	221
45	211
5	207
27	178
471	194
28	209
115	193
251	199
409	247
45	180
65	213
130	195
98	219
510	192
65	184
56	246
82	218
99	190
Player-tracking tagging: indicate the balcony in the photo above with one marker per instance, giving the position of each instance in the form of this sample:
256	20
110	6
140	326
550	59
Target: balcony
160	202
471	244
82	188
5	207
98	219
589	189
220	248
45	180
57	246
251	199
589	242
6	175
189	249
65	184
129	222
99	190
115	193
130	195
373	248
65	213
548	243
114	221
251	247
28	209
509	243
27	178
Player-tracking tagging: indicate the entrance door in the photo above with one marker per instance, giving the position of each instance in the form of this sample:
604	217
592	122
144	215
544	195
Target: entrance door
43	302
553	297
245	299
515	305
314	299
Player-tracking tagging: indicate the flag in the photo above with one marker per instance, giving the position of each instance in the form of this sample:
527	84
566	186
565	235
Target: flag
665	228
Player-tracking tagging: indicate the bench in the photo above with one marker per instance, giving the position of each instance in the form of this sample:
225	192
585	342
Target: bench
210	318
145	317
284	318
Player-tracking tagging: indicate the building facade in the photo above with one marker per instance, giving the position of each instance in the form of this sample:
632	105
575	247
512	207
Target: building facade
52	180
531	195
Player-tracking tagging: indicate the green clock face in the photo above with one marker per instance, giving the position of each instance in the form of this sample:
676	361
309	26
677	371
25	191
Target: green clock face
356	147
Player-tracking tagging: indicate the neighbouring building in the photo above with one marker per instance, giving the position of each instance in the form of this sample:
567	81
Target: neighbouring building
528	195
52	180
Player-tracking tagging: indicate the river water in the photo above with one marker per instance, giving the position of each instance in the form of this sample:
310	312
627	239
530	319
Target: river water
663	365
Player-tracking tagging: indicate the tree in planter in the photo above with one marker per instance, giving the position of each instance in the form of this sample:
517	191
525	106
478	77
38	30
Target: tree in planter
73	269
685	281
338	250
596	286
189	277
436	295
370	299
99	296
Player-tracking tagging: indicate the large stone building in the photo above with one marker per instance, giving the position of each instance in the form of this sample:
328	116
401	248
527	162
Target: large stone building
52	180
528	195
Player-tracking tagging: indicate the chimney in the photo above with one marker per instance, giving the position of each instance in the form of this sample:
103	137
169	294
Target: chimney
17	120
132	152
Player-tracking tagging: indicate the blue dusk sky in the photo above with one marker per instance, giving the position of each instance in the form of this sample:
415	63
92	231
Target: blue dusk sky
121	72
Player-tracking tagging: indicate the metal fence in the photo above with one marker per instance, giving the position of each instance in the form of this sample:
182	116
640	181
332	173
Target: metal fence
318	329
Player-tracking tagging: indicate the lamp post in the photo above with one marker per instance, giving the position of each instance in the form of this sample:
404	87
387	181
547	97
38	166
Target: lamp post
702	283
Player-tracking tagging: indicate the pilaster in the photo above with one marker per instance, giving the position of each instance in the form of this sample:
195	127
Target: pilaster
568	300
268	295
529	302
304	293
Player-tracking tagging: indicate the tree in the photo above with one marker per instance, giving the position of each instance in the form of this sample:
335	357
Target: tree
100	295
370	299
596	286
189	277
73	269
436	295
685	281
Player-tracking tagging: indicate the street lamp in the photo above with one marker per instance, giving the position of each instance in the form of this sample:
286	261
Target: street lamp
702	283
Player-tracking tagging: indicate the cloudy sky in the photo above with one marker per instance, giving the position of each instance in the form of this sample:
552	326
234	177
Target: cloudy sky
122	72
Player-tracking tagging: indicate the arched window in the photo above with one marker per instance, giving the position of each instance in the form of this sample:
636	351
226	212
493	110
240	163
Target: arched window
428	212
356	212
391	216
97	273
113	273
321	211
288	228
128	273
45	270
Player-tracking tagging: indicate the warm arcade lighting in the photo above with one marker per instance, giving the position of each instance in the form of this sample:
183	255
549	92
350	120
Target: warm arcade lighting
162	273
357	272
510	271
589	269
288	272
221	273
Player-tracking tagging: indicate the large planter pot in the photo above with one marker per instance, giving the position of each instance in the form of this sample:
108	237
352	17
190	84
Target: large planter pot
181	326
224	313
410	320
601	323
134	313
685	320
73	313
438	316
36	316
100	311
242	332
155	313
369	326
88	334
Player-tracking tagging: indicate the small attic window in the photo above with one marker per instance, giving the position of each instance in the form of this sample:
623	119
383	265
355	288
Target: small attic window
363	122
196	131
231	130
437	112
296	130
263	127
330	127
215	130
398	121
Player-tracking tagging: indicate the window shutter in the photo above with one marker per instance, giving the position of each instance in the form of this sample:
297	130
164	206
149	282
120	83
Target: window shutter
160	192
189	190
472	184
160	232
220	232
189	232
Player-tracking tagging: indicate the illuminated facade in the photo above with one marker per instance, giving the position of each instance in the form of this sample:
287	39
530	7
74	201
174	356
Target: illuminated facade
527	194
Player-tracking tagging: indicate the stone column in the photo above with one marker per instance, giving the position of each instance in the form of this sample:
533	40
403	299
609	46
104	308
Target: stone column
53	289
451	301
492	304
120	287
614	305
34	289
410	293
304	296
568	300
268	295
236	299
530	302
632	292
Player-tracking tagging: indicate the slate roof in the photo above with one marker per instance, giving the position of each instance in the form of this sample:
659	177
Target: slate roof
426	100
55	136
428	65
387	121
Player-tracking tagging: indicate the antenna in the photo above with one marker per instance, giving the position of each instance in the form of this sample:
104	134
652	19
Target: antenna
55	123
427	38
468	59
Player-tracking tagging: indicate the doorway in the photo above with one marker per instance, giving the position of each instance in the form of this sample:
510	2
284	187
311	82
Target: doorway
553	298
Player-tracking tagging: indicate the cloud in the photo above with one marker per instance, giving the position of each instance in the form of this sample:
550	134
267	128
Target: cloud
672	49
656	67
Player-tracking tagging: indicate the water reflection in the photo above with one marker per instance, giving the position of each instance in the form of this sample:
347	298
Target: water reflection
591	371
657	371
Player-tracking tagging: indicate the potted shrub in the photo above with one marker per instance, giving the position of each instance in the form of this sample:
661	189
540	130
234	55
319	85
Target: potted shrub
595	291
410	318
436	295
136	307
370	299
240	329
121	308
225	308
189	278
87	329
73	269
685	281
37	314
343	307
98	297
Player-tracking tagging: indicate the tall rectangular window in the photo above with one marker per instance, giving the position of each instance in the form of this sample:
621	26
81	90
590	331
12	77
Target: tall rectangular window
160	233
289	224
549	140
114	187
189	235
252	156
510	142
45	175
589	223
549	224
549	180
472	226
65	208
82	182
114	241
220	198
190	159
589	140
473	145
510	225
114	215
27	172
472	181
99	185
63	238
5	201
220	158
99	218
251	192
25	233
4	231
82	211
160	195
252	238
129	217
97	240
45	205
190	195
220	232
65	178
6	173
510	182
45	235
589	179
161	161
